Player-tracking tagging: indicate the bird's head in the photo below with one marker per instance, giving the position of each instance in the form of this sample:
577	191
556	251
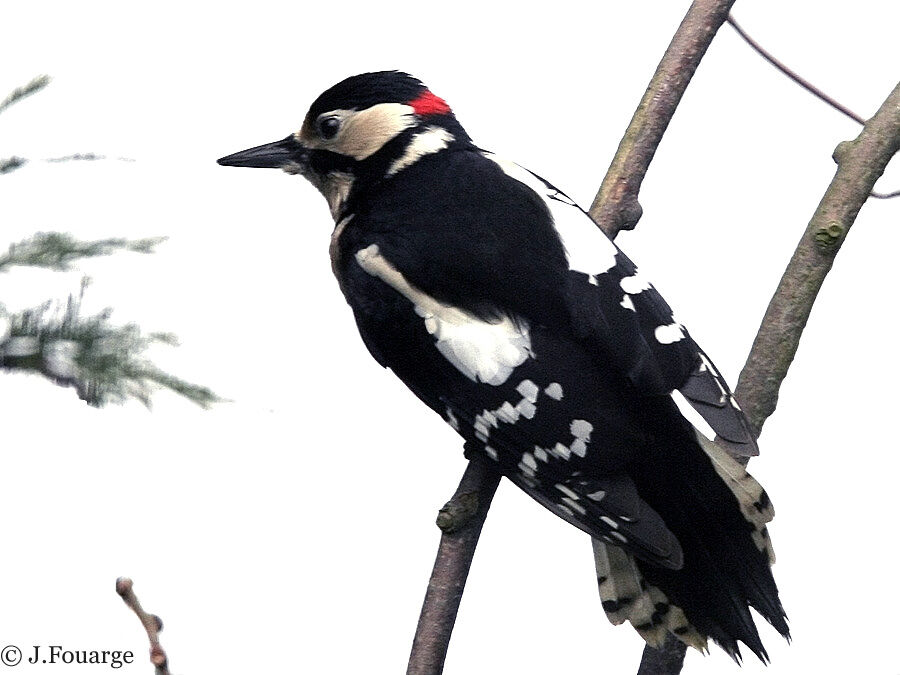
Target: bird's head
362	130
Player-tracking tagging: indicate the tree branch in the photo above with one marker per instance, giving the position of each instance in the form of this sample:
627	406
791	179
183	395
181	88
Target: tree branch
860	163
667	660
616	205
461	520
151	623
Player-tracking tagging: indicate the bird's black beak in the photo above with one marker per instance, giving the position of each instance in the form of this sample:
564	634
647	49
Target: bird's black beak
277	155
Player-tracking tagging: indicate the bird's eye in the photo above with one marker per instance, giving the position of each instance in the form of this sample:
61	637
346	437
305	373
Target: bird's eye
328	127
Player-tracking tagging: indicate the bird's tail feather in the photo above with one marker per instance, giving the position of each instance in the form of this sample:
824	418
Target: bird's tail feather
719	513
752	498
626	596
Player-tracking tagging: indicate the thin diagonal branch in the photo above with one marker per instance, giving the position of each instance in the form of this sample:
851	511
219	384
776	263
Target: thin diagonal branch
809	86
860	163
151	623
806	84
616	205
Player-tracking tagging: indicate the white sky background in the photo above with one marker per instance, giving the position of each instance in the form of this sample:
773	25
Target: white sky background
292	529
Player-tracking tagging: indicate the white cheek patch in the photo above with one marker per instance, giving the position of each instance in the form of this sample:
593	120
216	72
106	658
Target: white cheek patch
481	350
365	132
433	139
588	250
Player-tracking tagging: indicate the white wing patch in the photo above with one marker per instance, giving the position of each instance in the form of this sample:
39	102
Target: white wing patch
634	284
481	350
668	334
588	250
692	416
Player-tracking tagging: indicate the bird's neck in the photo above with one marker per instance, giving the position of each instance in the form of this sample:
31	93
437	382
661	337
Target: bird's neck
345	191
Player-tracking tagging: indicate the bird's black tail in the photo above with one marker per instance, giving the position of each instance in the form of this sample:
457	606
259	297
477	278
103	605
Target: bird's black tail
719	513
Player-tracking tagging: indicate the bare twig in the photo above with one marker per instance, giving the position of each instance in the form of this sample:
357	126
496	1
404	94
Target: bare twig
461	521
616	205
151	623
860	163
806	84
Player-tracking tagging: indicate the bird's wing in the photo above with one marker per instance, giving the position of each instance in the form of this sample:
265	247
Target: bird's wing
529	397
545	447
615	309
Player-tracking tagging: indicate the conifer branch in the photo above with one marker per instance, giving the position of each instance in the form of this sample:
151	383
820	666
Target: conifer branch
103	362
23	92
58	250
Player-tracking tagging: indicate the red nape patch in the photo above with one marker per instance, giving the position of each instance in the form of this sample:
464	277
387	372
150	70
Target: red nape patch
429	104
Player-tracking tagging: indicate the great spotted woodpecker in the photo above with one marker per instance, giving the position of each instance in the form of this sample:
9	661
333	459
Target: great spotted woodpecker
556	362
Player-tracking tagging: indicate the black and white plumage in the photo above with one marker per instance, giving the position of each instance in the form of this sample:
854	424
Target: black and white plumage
558	364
